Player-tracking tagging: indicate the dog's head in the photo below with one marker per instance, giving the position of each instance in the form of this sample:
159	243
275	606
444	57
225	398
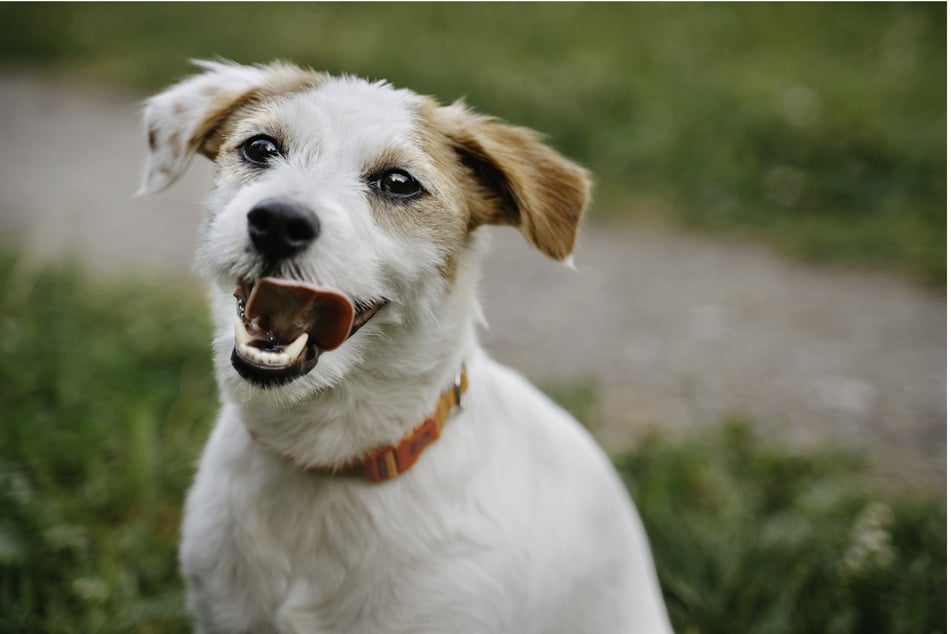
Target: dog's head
340	227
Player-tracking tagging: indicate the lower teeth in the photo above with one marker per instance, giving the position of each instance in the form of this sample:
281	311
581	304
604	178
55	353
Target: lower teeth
264	357
243	342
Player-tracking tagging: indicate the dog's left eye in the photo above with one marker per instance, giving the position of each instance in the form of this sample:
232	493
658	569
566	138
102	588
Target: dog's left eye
398	184
260	150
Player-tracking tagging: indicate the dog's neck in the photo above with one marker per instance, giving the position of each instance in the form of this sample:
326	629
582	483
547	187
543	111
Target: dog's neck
389	461
371	408
380	402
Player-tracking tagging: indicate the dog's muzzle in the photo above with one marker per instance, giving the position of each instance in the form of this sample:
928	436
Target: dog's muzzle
283	326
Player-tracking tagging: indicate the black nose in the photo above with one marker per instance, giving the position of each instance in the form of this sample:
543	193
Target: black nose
279	229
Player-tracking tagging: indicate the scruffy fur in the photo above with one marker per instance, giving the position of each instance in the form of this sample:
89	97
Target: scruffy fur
514	520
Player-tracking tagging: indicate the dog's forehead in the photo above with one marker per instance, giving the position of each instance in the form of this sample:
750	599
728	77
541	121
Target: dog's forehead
351	111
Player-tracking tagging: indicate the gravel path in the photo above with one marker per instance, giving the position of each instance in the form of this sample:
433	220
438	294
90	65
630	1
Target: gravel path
674	331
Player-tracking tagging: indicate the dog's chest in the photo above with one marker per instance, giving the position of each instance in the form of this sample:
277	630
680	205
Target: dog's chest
262	551
294	555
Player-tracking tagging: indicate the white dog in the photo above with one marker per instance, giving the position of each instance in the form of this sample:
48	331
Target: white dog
342	241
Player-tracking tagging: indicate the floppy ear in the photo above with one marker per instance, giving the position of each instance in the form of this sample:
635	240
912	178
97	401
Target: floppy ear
187	117
523	182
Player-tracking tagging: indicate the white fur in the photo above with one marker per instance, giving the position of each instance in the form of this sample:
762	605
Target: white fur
514	521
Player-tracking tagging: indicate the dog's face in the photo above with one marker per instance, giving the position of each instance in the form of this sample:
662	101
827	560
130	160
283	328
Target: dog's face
342	214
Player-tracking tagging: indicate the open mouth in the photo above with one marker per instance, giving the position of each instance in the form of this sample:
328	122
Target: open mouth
282	326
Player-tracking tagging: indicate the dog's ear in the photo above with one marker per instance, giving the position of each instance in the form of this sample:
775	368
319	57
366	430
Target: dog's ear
187	117
521	181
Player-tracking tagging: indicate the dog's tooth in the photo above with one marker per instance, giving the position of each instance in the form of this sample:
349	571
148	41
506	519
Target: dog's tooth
273	358
293	350
263	356
248	351
241	336
252	353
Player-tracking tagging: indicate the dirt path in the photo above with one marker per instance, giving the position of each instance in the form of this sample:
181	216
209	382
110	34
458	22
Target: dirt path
673	330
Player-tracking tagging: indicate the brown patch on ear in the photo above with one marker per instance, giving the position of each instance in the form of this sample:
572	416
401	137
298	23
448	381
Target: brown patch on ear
206	139
520	181
188	117
281	79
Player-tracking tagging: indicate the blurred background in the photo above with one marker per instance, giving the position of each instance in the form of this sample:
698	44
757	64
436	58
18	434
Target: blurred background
756	331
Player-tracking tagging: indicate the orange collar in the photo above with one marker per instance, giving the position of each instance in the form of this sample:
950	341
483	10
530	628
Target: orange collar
387	462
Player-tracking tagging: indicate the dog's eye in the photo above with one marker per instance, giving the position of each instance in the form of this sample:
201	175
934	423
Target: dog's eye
260	150
398	184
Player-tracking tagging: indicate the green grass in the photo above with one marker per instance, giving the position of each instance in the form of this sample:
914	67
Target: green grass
107	397
818	127
751	538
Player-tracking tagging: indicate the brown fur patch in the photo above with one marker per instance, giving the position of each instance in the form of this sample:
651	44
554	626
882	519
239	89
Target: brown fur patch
204	138
438	216
448	179
282	79
517	179
174	140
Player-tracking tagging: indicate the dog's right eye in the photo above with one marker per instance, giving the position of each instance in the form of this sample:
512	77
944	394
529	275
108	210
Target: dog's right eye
260	150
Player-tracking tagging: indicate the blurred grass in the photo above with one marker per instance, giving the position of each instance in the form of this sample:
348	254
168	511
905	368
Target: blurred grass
107	398
751	538
818	127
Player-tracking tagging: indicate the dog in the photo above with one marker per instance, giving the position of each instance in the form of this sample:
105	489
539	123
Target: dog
372	470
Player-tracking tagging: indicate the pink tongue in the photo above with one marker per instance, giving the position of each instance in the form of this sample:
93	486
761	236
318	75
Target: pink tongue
285	309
